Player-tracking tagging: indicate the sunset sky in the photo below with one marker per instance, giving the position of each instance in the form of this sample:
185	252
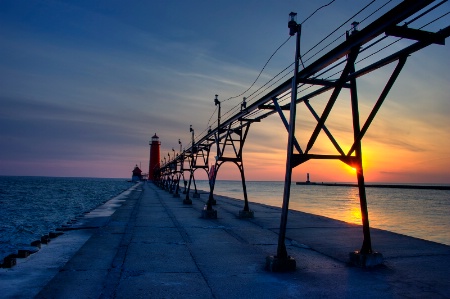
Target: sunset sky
85	84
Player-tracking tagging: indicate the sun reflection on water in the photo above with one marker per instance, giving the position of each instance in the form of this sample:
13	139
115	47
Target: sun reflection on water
414	212
351	212
354	216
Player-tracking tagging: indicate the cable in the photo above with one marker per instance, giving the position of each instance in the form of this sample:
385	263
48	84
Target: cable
277	51
448	12
323	48
316	11
282	98
329	43
379	40
377	11
402	38
427	11
345	23
382	6
260	71
211	117
250	97
270	59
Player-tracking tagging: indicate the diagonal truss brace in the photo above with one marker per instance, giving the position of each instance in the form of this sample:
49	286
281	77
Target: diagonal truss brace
342	79
348	158
234	138
286	124
198	158
382	97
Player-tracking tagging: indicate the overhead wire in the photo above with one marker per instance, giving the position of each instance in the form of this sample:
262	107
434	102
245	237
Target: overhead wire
397	40
365	48
379	40
306	19
277	51
341	62
316	11
207	125
343	24
364	8
382	38
427	11
336	65
283	97
252	95
268	60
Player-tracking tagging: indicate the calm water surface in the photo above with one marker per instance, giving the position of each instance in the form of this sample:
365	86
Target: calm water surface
33	206
419	213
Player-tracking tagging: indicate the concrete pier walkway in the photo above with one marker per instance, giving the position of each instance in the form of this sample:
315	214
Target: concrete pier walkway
153	246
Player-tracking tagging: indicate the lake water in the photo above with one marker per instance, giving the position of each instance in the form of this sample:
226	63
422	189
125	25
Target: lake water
33	206
419	213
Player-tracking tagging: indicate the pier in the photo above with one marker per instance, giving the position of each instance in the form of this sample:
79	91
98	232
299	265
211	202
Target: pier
154	246
332	76
166	239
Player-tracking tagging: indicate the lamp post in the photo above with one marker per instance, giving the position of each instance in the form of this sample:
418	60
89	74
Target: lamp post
217	102
282	261
192	131
208	212
354	28
243	106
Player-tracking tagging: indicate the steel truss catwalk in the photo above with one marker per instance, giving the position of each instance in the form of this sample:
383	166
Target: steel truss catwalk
230	135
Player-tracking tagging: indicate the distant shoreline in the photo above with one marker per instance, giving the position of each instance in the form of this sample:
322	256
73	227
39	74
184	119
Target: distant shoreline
398	186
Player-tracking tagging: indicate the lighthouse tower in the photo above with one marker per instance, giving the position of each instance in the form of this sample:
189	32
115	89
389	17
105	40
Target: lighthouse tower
154	156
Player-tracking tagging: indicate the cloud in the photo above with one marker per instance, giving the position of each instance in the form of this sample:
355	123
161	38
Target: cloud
92	83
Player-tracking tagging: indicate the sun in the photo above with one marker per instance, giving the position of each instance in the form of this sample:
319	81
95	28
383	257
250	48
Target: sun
350	168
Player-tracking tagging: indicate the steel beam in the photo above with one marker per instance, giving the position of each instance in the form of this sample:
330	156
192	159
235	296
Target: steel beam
378	104
347	69
234	138
325	129
286	124
415	34
393	17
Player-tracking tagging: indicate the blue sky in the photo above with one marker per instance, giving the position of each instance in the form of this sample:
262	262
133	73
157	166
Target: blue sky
85	84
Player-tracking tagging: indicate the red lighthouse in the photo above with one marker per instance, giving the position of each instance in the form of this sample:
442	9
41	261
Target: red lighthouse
154	156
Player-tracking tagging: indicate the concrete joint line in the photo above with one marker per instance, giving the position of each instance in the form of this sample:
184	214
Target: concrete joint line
186	238
115	273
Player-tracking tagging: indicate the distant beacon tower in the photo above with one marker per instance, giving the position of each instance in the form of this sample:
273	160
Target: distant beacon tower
154	156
